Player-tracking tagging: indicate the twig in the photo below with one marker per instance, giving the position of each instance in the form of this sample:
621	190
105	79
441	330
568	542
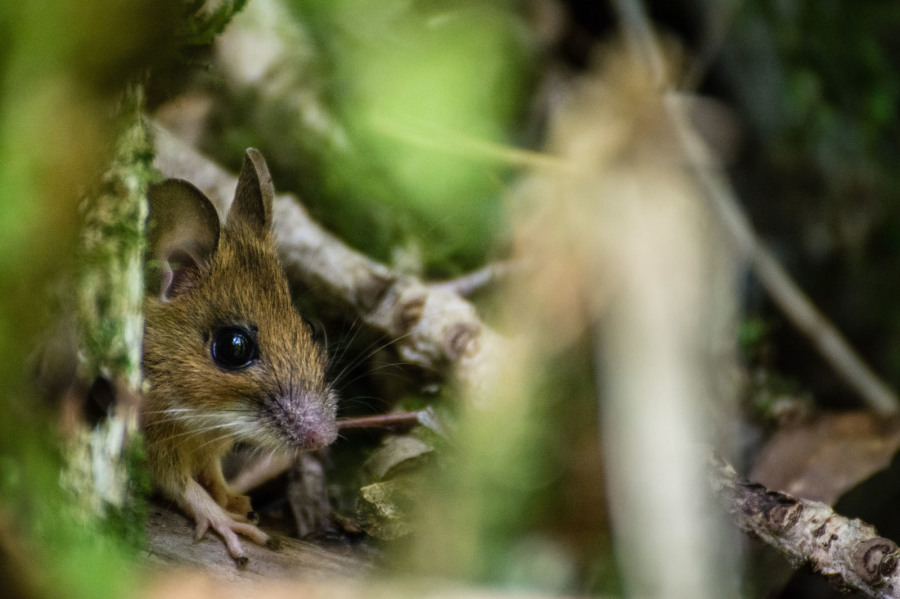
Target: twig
847	551
796	306
476	280
640	37
109	323
659	283
393	420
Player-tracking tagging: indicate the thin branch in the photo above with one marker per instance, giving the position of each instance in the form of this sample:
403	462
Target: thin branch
784	291
640	37
476	280
393	420
847	551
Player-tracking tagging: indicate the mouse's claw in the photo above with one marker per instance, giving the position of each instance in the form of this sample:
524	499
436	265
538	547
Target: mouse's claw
275	543
229	530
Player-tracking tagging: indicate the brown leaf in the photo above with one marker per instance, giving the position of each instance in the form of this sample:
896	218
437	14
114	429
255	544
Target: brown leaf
823	458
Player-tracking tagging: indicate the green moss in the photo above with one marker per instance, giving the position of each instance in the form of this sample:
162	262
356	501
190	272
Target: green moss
126	522
110	277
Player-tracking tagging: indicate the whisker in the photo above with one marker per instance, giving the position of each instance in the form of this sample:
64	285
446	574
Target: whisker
233	435
195	432
201	426
188	414
346	343
367	353
383	369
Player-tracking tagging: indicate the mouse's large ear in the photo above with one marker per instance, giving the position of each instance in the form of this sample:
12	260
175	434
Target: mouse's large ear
252	207
182	236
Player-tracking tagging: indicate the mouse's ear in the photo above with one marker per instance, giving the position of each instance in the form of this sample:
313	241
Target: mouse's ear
182	236
252	207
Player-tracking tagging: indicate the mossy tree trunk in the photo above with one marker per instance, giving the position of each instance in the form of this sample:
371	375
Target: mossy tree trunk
109	296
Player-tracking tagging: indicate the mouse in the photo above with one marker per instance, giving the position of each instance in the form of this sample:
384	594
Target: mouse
227	357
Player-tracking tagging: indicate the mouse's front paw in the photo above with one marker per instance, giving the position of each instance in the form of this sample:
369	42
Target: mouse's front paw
229	530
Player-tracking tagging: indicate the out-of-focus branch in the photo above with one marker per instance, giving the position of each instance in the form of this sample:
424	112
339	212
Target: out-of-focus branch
476	280
847	551
661	285
639	37
435	328
796	306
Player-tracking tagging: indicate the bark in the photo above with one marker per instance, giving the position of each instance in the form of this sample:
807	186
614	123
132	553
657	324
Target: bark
847	551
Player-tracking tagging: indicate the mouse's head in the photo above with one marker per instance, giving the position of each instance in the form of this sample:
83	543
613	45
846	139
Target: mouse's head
225	350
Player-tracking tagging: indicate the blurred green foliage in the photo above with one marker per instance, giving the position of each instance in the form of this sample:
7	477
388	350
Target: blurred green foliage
517	501
421	91
63	66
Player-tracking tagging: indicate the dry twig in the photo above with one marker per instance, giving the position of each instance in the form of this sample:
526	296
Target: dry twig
488	275
394	420
847	551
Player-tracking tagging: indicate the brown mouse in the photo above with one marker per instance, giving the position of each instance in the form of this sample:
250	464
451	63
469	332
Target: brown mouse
227	356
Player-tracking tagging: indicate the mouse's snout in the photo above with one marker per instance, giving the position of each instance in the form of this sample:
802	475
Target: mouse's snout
305	419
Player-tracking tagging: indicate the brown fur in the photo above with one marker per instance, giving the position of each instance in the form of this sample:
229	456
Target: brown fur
196	410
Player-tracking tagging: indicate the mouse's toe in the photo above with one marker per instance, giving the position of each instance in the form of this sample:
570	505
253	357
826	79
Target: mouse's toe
229	529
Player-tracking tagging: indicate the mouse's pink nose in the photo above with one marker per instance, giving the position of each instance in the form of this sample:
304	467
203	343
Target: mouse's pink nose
314	431
319	435
305	421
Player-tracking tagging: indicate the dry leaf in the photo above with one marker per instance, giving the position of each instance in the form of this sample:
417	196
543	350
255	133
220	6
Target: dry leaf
824	458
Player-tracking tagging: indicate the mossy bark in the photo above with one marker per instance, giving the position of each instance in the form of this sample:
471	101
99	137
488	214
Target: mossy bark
109	296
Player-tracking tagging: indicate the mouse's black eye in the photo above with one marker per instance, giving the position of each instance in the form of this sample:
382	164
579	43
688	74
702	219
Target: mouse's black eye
233	348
